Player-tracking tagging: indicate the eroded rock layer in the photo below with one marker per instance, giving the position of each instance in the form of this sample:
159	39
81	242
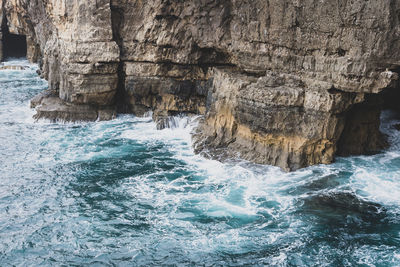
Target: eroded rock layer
288	83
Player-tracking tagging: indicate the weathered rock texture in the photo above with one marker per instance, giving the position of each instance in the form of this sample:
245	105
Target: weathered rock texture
288	83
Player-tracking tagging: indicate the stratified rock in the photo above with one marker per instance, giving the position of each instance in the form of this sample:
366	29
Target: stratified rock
280	82
162	94
13	67
73	43
274	119
56	110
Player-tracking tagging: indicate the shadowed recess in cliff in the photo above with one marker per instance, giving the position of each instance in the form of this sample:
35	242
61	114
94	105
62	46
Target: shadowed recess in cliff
391	99
117	18
391	96
361	134
14	45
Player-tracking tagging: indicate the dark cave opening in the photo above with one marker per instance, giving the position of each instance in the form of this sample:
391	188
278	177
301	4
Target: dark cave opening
14	45
362	134
391	99
391	105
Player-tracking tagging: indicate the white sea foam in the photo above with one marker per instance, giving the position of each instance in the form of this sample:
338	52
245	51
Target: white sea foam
382	187
240	183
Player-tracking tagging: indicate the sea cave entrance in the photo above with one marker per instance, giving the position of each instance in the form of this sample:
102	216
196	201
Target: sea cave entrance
391	97
362	131
391	105
14	45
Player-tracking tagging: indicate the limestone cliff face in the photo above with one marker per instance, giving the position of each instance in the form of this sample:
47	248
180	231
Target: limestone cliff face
76	51
288	83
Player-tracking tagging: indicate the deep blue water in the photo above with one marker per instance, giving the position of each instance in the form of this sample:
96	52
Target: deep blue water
121	193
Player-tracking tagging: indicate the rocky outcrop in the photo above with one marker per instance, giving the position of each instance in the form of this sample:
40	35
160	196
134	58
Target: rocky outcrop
12	67
288	83
74	45
49	106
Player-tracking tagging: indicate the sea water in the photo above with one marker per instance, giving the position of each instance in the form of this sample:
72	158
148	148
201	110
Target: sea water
121	193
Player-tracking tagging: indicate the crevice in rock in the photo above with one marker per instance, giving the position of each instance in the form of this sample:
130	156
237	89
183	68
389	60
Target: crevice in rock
333	90
209	55
14	45
167	16
339	52
169	62
117	18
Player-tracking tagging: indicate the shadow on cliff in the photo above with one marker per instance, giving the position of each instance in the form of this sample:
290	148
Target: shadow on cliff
14	45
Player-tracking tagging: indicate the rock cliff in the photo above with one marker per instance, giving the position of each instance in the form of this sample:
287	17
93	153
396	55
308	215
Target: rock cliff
288	83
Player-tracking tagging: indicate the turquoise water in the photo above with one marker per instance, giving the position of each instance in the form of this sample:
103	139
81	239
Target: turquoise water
121	193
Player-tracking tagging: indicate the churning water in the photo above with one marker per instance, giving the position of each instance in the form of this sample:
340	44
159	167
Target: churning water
121	193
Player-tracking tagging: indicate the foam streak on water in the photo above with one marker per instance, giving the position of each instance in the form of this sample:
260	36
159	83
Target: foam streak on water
121	193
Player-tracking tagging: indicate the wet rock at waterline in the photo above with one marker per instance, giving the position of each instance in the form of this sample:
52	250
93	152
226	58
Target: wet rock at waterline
343	204
11	67
279	82
54	109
